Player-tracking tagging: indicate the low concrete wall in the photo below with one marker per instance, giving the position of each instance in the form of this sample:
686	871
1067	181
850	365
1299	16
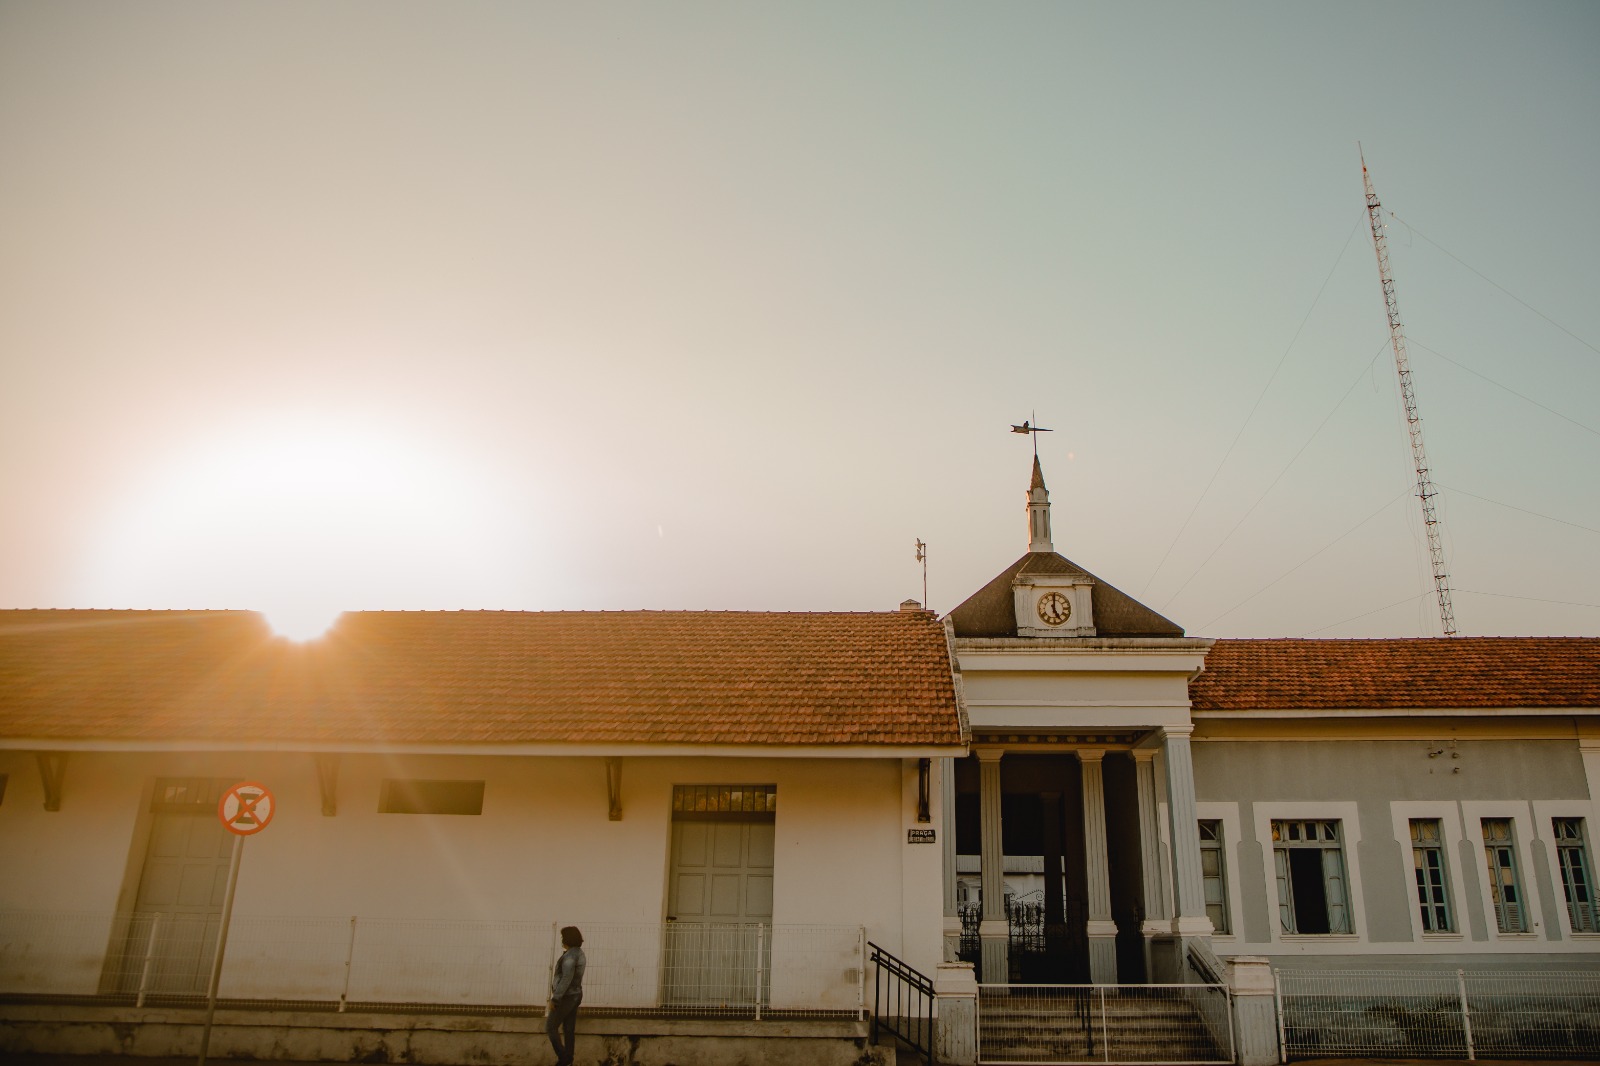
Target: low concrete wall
286	1036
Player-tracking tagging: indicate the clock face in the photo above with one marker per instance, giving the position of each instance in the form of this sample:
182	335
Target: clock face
1054	608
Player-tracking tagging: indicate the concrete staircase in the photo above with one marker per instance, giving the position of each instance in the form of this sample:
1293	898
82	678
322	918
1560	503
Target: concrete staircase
1106	1025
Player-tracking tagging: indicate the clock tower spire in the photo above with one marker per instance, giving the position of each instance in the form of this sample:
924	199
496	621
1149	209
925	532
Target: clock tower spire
1038	512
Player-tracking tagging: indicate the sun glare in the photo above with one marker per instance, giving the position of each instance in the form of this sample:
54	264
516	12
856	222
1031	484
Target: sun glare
302	623
303	518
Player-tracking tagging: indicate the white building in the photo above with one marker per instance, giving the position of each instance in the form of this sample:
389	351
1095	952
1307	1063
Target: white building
733	805
728	804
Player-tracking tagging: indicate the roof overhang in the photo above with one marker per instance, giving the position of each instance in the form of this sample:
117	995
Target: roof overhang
742	751
1257	714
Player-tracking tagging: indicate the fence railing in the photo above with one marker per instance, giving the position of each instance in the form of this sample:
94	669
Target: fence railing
470	966
1459	1014
1023	1024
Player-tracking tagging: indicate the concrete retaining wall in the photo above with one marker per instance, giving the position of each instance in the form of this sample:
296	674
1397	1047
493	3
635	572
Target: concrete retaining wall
425	1040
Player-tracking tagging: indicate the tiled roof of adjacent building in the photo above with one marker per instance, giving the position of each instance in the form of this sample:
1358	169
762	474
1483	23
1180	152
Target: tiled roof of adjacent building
1416	673
649	677
992	612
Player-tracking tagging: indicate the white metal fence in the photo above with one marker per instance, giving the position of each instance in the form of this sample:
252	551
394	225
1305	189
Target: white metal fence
1458	1014
1035	1024
478	966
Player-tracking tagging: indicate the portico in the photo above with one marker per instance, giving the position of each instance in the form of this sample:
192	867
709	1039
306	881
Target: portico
1072	843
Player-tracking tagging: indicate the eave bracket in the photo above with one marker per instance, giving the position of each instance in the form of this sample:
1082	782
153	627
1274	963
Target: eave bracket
52	771
328	782
614	787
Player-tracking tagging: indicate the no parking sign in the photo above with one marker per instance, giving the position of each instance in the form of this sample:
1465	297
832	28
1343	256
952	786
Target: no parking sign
246	808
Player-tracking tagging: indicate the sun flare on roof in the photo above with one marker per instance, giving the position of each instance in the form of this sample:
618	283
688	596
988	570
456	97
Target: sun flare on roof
301	623
302	518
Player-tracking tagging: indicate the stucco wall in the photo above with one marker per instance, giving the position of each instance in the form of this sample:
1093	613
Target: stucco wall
1374	787
543	850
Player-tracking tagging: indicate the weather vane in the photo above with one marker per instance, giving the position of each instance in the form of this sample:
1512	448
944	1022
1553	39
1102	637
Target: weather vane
1032	431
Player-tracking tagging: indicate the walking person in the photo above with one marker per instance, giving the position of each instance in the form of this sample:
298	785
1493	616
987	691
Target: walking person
566	992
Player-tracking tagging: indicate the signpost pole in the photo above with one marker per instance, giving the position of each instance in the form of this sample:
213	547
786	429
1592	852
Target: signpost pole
222	946
245	809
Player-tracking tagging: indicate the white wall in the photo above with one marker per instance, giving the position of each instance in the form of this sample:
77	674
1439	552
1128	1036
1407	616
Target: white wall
543	849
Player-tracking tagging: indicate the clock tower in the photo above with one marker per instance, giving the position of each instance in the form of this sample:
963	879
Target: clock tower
1051	596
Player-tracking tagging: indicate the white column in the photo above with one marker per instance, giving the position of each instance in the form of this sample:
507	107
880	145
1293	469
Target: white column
947	842
1102	927
1157	912
994	931
1188	888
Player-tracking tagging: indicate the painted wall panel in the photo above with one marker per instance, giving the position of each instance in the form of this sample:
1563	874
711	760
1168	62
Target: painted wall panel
542	851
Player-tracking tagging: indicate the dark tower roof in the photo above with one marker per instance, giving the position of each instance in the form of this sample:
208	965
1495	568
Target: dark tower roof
991	611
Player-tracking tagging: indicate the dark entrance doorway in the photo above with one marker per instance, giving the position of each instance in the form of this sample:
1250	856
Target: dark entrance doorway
1046	879
1041	818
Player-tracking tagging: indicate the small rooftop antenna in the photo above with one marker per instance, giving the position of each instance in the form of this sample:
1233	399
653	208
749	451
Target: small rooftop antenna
1033	431
922	557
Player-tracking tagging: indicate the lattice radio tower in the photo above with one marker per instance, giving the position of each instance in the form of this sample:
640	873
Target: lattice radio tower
1425	490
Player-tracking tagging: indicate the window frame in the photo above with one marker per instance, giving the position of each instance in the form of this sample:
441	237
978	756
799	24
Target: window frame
1348	816
1227	814
1524	831
1440	886
1561	848
1452	832
446	797
1544	814
1215	845
1493	850
1325	838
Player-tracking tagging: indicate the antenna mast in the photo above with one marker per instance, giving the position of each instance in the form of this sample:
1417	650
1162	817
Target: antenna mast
1425	490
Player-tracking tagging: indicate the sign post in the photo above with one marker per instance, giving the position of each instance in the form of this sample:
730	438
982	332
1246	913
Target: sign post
245	810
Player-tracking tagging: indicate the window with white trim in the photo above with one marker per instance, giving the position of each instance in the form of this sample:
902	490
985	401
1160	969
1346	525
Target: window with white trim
1213	873
1313	889
1505	878
1572	855
1427	861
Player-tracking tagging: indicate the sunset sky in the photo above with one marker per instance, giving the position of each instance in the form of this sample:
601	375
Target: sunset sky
689	305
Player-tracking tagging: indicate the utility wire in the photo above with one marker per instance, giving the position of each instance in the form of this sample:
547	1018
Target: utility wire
1418	344
1364	371
1243	425
1531	599
1396	498
1493	282
1380	610
1514	507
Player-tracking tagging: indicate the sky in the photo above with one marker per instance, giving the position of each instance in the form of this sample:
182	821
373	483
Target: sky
723	306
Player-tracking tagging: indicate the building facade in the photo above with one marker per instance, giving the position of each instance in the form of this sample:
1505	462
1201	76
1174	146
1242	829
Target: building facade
1053	785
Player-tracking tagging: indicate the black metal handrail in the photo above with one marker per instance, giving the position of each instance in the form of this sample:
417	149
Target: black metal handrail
907	987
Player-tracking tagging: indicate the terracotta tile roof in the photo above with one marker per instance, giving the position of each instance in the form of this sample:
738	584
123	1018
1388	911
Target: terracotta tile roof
1381	674
481	677
991	611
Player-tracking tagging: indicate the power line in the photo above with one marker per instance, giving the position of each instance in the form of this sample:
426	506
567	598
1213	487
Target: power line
1392	501
1507	388
1251	510
1380	610
1243	425
1530	599
1493	282
1524	510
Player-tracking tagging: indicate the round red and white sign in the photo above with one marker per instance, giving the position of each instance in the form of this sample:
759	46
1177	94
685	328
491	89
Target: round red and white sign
246	808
